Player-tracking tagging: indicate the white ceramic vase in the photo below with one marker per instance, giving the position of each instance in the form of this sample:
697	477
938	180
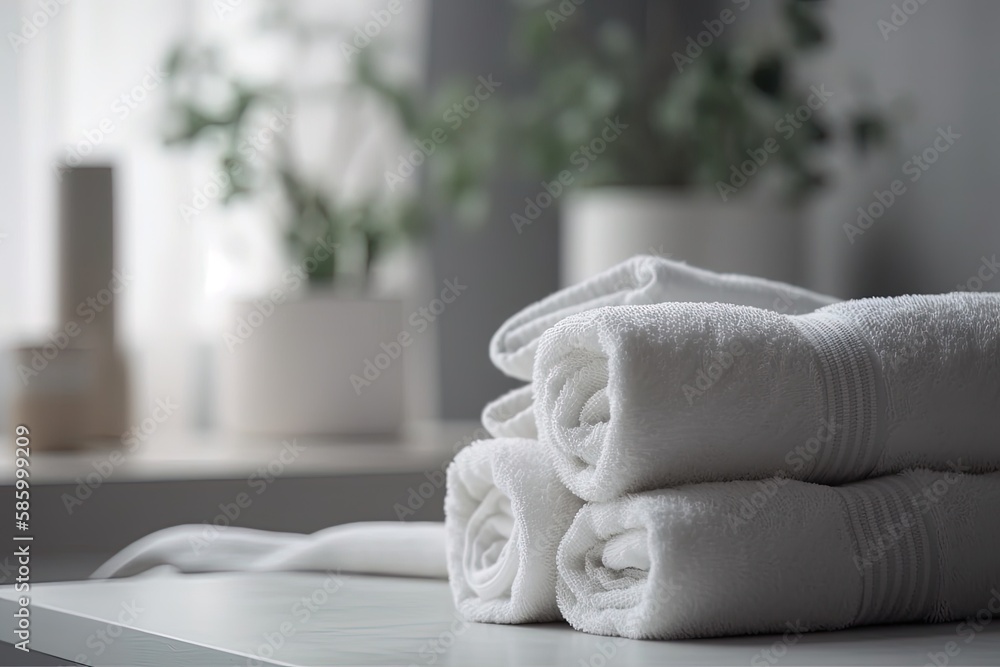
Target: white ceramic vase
317	365
604	226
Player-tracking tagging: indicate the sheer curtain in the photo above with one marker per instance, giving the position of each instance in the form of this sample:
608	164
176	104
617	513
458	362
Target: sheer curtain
88	87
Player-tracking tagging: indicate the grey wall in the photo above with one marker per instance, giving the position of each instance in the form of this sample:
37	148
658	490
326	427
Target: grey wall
941	65
503	270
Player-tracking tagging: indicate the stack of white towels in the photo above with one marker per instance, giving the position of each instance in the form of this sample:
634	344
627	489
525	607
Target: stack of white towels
698	455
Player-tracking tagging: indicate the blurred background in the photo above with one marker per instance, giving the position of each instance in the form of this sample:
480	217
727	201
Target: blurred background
263	245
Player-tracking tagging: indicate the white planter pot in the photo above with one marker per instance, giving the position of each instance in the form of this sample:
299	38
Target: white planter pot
290	372
604	226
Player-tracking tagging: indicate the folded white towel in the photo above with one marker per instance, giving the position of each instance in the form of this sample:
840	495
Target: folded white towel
377	547
640	280
505	513
633	398
783	556
512	415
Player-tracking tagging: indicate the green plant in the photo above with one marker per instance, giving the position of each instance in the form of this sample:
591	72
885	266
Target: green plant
309	213
687	129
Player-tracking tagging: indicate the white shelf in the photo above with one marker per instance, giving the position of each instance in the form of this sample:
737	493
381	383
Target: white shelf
424	446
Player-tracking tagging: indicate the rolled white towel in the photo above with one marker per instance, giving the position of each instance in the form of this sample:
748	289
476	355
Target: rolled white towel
374	547
512	415
505	513
633	398
639	280
783	556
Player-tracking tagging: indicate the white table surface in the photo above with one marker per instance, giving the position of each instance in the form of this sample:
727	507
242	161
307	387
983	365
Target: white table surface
227	619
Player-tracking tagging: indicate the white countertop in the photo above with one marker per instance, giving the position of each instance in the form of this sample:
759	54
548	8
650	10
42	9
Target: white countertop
317	619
